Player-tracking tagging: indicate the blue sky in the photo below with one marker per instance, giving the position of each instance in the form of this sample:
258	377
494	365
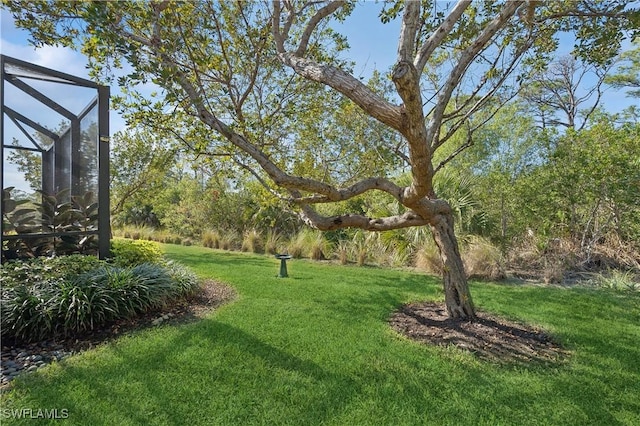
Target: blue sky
373	46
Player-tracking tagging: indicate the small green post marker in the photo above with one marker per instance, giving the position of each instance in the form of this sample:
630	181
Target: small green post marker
283	265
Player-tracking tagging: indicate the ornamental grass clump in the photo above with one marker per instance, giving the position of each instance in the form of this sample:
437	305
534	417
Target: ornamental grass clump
211	239
28	311
40	302
482	260
185	282
252	242
343	250
83	305
272	242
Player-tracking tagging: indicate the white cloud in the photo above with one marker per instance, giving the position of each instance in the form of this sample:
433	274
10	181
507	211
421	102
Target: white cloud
60	59
14	43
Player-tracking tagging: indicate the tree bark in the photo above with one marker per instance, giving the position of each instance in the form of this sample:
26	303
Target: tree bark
456	289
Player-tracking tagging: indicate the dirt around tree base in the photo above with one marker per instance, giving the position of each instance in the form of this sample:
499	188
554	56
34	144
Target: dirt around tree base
489	337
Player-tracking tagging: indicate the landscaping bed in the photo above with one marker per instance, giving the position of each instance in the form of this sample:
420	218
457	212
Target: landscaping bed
18	357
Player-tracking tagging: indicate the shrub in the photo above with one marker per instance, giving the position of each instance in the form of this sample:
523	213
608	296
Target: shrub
211	239
120	282
83	305
342	250
362	244
230	240
44	269
362	255
296	248
398	258
253	242
147	233
427	258
154	285
381	253
482	260
65	301
185	282
273	241
132	253
319	247
28	311
617	280
309	243
553	271
75	264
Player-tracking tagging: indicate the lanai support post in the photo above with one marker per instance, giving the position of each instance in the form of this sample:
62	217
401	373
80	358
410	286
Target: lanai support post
104	214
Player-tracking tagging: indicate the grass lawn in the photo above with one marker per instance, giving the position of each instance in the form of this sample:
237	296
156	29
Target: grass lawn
315	348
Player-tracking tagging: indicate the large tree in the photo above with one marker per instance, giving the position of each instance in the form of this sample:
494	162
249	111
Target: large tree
241	78
567	93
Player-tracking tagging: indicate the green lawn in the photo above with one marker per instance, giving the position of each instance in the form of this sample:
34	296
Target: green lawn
315	349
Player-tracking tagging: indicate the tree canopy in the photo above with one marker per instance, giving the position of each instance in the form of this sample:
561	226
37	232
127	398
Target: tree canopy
263	85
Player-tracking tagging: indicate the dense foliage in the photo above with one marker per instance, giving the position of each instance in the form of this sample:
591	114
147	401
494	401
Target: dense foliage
127	253
71	222
45	297
264	86
548	201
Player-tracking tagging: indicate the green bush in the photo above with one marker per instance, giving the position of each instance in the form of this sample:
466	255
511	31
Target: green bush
44	269
154	285
122	283
72	299
28	311
617	280
185	282
83	305
131	253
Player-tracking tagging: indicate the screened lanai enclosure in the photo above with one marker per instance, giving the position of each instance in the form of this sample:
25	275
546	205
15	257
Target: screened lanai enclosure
55	163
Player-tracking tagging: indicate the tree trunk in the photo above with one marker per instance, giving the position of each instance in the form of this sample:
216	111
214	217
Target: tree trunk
456	289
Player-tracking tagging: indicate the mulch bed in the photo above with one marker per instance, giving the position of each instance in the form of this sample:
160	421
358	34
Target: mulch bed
18	357
489	337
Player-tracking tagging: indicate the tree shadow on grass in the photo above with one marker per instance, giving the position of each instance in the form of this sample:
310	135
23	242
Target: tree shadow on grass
203	373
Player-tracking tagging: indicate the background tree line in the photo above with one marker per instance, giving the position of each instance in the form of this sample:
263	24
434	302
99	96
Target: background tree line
545	188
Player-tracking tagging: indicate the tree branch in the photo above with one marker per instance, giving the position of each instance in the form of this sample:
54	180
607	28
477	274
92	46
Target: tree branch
436	38
408	31
369	101
484	99
324	223
407	82
334	77
380	184
424	212
313	23
465	59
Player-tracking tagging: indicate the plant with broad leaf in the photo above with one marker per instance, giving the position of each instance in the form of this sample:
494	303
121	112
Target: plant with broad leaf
67	224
